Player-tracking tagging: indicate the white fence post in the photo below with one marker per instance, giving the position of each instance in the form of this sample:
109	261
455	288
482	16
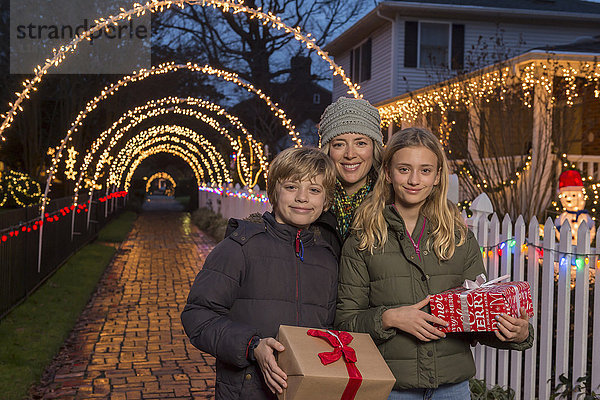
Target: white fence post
491	353
479	351
596	337
563	314
518	274
533	279
505	368
481	208
580	320
505	262
547	314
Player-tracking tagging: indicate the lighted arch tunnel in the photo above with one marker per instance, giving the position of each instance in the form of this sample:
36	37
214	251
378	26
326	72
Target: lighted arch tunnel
163	132
208	174
172	67
159	139
169	105
168	148
120	161
160	175
158	148
59	55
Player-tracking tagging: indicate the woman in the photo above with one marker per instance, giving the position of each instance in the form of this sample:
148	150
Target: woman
409	242
351	135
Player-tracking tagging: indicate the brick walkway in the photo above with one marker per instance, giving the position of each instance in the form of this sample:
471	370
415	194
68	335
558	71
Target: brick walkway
129	342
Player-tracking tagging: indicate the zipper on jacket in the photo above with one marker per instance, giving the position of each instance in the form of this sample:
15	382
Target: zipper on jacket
300	255
299	246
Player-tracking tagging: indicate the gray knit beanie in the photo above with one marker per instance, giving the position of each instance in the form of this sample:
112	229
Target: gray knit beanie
349	115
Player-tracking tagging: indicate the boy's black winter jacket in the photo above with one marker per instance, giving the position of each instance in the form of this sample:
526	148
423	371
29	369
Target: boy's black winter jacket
252	282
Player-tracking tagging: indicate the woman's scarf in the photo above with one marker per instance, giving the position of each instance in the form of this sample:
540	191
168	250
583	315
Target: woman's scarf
345	205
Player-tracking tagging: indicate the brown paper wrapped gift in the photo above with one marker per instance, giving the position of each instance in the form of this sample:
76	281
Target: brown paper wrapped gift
309	378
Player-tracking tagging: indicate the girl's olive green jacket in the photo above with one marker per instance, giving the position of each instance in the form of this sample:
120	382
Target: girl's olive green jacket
369	284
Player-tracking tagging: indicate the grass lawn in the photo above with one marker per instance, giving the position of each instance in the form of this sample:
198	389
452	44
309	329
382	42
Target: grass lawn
116	230
32	333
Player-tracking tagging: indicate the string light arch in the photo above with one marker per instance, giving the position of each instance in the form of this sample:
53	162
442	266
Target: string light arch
166	148
172	67
59	55
210	175
164	133
160	175
216	160
266	18
155	108
135	116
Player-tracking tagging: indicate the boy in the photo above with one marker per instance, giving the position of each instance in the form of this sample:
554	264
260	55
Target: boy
262	275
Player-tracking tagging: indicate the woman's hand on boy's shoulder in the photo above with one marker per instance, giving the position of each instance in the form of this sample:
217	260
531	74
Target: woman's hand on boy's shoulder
411	319
265	358
511	329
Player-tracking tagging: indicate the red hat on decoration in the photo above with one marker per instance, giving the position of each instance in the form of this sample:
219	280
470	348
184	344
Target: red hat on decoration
570	178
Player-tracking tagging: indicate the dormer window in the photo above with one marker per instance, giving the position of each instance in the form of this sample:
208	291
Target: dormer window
360	62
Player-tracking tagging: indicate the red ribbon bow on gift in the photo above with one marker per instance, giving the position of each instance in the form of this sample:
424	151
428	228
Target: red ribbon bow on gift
340	340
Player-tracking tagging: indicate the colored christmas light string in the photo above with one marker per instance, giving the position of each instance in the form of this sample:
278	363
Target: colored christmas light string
232	193
487	251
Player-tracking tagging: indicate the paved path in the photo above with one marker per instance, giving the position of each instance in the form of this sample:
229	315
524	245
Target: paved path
129	342
161	203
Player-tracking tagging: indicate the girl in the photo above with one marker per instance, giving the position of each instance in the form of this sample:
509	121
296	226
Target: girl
351	135
410	242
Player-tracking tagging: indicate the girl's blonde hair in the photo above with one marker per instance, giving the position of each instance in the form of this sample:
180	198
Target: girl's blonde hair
448	225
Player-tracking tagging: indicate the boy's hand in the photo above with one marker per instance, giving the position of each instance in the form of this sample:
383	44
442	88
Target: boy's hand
511	329
412	320
264	354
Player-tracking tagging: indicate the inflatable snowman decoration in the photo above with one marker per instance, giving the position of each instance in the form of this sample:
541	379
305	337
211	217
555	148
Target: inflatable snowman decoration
570	188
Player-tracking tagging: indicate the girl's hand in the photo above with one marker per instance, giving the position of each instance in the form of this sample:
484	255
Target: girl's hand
264	354
412	320
511	329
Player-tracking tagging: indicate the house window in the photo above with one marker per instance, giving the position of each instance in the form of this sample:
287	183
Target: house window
360	62
433	45
316	98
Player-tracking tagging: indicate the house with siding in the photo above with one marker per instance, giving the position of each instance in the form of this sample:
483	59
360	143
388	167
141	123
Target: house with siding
508	86
401	46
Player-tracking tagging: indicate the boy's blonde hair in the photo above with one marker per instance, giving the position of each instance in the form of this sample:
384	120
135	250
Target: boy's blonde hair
369	223
301	163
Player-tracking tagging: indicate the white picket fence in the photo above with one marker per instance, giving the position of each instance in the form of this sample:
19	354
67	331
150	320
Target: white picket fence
234	202
516	249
